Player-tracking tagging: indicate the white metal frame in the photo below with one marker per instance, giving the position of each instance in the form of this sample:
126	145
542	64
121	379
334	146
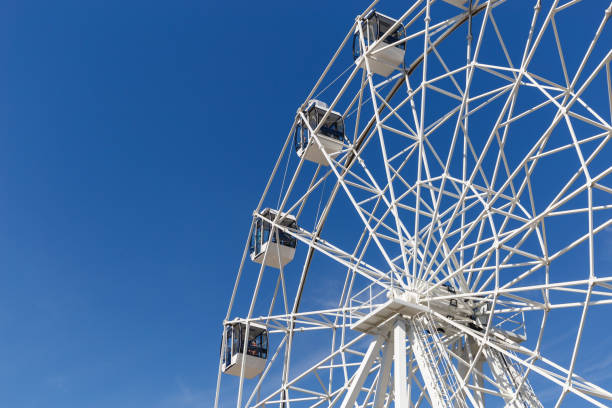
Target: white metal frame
467	213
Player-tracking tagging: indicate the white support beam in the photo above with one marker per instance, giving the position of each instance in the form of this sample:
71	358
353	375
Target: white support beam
500	374
426	367
362	373
472	352
384	374
399	363
508	379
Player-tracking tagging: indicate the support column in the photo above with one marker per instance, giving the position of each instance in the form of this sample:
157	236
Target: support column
468	351
362	373
384	374
399	363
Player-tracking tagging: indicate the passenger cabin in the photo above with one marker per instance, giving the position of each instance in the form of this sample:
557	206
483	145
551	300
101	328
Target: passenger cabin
384	57
458	3
233	349
272	247
330	134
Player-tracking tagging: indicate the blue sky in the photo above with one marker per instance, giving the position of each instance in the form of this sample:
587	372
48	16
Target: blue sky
136	140
131	161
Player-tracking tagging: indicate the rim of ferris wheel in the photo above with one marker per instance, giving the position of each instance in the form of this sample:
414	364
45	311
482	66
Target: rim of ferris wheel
378	38
271	244
328	127
232	349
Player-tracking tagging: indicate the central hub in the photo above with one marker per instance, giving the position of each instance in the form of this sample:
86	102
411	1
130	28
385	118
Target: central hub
443	300
375	307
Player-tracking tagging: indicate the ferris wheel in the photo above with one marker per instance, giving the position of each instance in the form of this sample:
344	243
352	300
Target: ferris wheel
437	229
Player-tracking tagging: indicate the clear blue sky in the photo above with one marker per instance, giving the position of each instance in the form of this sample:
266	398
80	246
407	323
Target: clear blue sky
133	151
129	167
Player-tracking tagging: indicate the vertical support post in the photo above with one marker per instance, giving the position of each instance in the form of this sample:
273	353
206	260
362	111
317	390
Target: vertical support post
399	363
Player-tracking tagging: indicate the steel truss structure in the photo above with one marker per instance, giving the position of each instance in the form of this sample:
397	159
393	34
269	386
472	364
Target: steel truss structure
456	251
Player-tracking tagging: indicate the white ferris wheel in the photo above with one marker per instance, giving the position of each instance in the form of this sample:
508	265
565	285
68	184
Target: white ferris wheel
437	228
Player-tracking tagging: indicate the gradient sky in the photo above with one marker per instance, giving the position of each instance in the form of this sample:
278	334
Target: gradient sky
129	168
136	140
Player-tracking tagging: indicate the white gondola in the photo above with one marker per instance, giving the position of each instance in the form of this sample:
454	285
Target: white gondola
233	349
265	248
458	3
330	134
383	58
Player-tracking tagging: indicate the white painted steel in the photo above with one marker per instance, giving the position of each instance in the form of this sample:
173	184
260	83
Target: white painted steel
362	373
399	363
385	372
